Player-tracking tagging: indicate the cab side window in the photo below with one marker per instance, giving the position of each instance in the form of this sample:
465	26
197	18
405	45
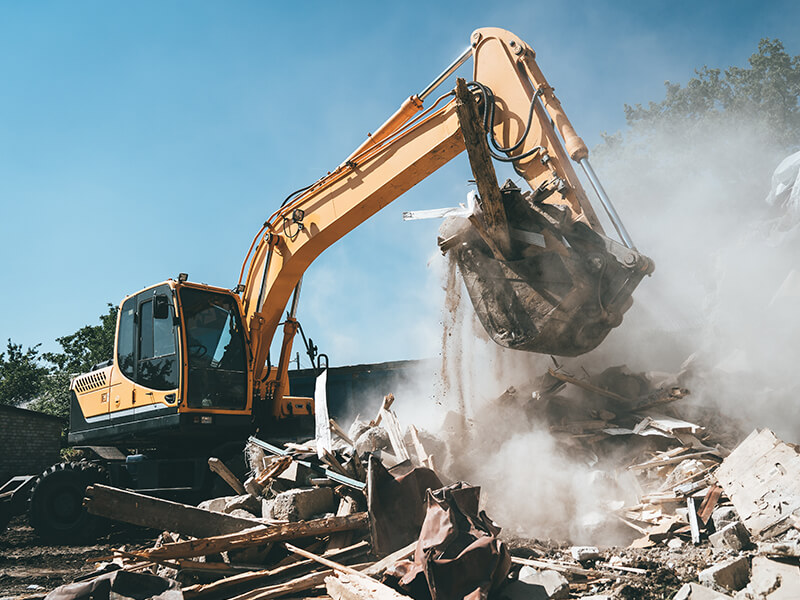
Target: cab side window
157	367
126	350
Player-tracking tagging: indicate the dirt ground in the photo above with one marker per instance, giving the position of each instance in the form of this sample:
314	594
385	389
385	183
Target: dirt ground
30	569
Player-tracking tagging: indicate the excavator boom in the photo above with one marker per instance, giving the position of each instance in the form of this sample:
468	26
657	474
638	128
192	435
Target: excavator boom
539	269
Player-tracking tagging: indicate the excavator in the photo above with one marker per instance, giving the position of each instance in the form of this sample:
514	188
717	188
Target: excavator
192	374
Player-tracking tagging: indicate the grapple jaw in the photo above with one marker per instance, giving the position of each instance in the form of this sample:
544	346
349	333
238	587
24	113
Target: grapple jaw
564	286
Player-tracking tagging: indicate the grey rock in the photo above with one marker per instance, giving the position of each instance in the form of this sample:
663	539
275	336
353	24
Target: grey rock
723	516
245	502
215	504
242	514
582	553
372	440
357	428
733	536
554	583
693	591
733	574
301	504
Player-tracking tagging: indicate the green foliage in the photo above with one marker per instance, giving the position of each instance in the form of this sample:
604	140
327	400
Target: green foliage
81	350
21	374
767	90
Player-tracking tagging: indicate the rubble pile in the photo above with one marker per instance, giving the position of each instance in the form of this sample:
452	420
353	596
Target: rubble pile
372	513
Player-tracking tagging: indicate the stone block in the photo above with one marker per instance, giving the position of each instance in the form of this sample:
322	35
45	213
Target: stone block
245	502
723	516
731	574
733	536
584	553
301	504
554	583
215	504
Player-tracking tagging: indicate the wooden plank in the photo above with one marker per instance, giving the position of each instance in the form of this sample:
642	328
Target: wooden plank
146	511
392	427
340	432
672	461
347	506
425	459
709	503
490	197
694	527
296	569
377	569
388	400
218	467
257	537
590	387
275	468
301	584
377	589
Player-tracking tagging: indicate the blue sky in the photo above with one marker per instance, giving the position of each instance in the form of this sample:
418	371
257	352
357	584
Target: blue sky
140	140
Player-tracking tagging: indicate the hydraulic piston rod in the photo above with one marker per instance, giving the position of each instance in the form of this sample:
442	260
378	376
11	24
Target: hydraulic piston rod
610	210
445	74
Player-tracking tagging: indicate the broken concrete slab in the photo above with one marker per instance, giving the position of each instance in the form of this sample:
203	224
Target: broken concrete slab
731	537
733	574
762	479
774	580
301	504
694	591
244	502
555	584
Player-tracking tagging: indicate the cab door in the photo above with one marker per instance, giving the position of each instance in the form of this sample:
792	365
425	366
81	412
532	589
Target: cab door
157	367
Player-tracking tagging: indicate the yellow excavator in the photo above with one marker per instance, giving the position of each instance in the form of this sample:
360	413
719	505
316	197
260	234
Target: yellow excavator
191	374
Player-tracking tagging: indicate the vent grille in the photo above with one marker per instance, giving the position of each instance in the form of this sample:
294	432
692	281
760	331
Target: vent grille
90	381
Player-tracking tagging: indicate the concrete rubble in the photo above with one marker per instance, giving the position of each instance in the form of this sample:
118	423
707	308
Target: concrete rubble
377	517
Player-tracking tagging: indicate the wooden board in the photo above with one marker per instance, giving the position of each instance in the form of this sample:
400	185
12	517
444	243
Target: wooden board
146	511
257	537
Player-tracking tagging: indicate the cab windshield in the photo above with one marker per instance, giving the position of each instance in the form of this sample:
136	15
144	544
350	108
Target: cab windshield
215	349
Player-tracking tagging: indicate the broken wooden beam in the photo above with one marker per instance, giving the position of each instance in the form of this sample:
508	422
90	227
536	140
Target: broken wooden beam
265	576
146	511
218	467
490	199
258	537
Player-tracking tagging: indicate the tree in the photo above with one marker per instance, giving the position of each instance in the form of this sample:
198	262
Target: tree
22	377
81	350
768	89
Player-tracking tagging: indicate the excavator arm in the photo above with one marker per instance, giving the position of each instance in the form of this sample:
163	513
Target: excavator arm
514	104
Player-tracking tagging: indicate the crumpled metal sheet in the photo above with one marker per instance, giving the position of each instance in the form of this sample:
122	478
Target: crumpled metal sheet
458	553
119	585
397	505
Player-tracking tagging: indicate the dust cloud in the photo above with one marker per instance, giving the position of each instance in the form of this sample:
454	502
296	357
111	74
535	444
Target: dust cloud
721	308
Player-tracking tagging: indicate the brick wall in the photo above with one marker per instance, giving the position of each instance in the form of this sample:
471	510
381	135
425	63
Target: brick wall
29	442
